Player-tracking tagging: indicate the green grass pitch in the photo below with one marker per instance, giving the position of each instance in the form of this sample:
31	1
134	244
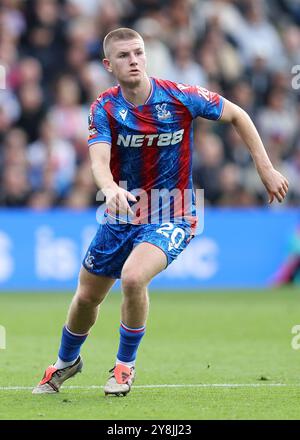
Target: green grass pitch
205	355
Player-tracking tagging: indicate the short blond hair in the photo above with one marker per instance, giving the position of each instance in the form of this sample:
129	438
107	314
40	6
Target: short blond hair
118	35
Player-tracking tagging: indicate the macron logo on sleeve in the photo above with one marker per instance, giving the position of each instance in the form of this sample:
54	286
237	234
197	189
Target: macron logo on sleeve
123	113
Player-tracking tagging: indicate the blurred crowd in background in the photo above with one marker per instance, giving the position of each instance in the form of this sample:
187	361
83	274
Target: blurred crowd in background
51	51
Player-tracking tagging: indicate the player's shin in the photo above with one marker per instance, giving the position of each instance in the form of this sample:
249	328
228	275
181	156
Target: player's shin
69	348
122	375
130	339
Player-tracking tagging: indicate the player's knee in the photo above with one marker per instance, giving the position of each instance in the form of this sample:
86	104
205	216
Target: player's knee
85	298
132	281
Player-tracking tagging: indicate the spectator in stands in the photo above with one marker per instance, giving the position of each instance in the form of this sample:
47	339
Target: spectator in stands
15	189
51	159
185	69
33	109
50	52
68	116
159	61
208	162
278	121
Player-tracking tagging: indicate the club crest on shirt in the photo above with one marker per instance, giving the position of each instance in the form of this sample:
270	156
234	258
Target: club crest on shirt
89	260
162	112
93	131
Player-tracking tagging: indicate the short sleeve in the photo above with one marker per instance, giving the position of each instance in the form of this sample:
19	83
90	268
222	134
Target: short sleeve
99	129
202	102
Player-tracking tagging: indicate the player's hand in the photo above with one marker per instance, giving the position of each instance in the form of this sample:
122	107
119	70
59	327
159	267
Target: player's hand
117	200
276	184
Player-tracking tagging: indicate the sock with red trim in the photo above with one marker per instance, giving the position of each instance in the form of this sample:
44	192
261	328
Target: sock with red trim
130	339
69	348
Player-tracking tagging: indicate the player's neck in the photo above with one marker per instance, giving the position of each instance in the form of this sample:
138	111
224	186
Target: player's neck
139	94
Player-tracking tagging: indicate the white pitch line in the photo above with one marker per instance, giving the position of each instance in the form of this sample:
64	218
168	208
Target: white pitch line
197	385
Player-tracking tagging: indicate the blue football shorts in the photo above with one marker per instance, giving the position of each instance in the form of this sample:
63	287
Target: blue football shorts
113	244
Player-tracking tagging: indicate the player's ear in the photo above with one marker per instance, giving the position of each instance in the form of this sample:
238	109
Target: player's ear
106	64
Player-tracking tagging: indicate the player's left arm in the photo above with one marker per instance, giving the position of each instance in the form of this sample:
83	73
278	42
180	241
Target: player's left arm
276	184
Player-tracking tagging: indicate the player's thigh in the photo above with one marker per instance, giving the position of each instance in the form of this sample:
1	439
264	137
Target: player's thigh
155	247
145	261
93	288
109	250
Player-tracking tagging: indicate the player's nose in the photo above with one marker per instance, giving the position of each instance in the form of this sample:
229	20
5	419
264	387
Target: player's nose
133	60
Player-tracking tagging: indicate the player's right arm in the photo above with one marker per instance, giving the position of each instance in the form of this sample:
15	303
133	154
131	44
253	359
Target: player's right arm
116	197
99	142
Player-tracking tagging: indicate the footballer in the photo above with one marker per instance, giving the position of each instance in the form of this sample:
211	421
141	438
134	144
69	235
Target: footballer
141	140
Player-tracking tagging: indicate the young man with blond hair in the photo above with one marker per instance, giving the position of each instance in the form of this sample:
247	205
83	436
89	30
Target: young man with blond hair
141	135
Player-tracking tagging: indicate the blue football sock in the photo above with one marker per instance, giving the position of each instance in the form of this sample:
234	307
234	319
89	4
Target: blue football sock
70	345
130	339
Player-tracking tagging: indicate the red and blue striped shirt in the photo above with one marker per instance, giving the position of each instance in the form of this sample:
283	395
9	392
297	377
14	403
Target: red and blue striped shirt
151	144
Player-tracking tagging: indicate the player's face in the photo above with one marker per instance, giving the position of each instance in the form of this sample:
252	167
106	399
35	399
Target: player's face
127	61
